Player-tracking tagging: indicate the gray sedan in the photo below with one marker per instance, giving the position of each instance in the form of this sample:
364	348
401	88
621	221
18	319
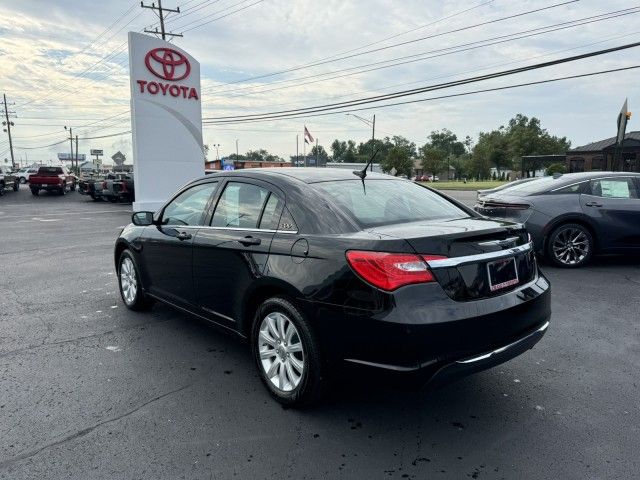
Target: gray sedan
571	217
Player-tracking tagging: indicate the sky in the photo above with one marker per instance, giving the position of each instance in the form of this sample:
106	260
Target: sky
64	63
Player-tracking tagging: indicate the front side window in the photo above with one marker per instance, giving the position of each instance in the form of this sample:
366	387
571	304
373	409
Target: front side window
240	206
614	188
188	207
385	202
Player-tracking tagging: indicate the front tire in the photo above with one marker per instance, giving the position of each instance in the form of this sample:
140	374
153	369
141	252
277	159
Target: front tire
286	353
570	246
23	180
130	285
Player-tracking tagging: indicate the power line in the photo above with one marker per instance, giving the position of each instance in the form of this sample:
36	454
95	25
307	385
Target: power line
447	75
468	27
415	91
454	95
223	16
440	52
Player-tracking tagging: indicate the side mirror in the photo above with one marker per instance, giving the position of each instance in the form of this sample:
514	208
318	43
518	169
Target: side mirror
142	219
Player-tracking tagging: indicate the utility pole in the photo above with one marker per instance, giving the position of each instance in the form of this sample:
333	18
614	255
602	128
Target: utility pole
77	164
237	156
297	154
71	143
160	14
373	138
316	152
8	124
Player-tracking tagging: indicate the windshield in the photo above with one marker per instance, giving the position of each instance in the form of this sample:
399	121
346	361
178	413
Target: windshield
385	202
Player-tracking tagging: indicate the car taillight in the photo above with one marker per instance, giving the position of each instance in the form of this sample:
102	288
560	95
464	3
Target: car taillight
390	271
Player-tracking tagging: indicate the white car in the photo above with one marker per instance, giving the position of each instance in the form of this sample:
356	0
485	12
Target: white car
24	173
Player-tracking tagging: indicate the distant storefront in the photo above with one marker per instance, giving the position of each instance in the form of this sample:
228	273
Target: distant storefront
228	164
600	155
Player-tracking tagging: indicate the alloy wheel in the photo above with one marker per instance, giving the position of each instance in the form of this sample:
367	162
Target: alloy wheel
128	281
571	246
281	351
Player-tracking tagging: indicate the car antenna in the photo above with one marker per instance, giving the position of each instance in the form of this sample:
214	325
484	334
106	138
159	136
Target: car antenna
363	173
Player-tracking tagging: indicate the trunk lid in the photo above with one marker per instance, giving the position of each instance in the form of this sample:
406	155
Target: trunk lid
471	246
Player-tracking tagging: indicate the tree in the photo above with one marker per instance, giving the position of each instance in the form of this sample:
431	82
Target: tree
344	151
447	141
323	156
398	158
556	168
205	151
433	160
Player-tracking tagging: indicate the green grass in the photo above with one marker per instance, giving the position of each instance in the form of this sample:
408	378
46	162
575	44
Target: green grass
464	186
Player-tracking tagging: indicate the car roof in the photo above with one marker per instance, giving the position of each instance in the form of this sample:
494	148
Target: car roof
304	174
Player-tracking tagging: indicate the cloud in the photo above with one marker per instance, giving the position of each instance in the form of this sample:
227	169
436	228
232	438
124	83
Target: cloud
61	68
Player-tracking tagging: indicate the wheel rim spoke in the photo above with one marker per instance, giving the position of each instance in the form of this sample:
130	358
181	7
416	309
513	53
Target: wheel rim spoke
281	353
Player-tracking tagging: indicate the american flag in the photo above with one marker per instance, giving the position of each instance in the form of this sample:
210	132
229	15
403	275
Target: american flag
307	136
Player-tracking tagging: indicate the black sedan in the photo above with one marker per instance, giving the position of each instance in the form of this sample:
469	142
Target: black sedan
571	217
317	267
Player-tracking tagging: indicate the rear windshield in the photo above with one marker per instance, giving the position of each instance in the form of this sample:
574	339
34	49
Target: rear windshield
50	170
385	202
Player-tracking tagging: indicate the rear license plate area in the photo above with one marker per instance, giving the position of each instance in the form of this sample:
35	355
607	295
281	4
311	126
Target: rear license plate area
502	274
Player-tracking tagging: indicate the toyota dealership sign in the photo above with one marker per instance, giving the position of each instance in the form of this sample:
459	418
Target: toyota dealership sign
166	118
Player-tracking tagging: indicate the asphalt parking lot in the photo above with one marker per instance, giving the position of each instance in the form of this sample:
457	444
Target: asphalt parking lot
90	390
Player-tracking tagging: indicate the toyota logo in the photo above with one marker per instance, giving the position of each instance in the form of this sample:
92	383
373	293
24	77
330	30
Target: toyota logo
167	64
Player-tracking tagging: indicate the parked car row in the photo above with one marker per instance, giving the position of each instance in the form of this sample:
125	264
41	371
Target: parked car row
573	216
114	187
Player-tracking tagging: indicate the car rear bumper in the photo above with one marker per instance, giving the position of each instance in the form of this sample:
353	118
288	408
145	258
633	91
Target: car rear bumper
433	337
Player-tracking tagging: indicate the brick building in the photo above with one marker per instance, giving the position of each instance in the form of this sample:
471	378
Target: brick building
600	155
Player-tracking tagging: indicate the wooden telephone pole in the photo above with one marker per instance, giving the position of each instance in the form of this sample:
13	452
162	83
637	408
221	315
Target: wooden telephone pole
8	124
161	16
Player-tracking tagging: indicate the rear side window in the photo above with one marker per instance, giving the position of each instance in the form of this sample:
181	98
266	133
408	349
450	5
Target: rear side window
614	188
576	188
240	206
385	202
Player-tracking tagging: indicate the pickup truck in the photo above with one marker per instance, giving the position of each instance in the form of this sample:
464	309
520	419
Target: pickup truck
52	179
91	186
118	187
8	180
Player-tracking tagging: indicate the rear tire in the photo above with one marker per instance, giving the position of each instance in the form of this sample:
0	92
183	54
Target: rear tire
16	185
23	180
286	353
1	189
63	190
130	284
34	192
73	187
570	246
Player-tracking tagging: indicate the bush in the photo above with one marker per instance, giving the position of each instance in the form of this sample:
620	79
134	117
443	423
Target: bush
556	168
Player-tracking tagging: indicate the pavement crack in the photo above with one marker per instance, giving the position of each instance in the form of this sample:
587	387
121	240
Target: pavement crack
78	339
88	430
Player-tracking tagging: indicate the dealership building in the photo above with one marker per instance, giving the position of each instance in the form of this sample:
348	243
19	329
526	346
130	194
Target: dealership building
600	155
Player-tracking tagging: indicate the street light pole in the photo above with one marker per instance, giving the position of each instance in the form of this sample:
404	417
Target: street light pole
372	123
237	149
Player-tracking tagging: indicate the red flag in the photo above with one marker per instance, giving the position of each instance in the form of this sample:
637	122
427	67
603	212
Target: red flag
307	135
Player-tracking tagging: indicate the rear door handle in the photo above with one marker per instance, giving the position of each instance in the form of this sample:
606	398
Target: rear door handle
593	204
249	240
183	236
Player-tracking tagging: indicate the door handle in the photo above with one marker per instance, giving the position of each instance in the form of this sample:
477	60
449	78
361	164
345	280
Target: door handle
249	240
593	204
183	236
